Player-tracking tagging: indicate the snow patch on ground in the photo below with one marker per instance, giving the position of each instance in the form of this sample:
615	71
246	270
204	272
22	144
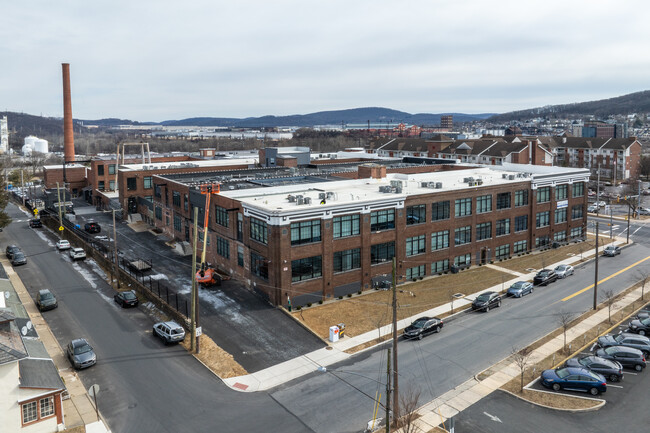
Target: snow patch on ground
223	304
97	269
44	237
88	275
158	277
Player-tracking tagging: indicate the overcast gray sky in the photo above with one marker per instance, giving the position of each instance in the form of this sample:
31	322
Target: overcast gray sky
159	60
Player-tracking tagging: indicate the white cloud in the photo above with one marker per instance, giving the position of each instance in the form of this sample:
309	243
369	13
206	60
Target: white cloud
156	60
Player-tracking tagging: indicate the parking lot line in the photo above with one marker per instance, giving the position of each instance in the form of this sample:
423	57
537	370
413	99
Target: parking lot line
614	386
633	374
604	279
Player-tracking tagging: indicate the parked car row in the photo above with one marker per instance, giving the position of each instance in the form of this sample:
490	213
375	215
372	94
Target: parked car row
15	255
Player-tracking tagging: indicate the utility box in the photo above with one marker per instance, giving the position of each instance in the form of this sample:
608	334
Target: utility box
341	327
334	334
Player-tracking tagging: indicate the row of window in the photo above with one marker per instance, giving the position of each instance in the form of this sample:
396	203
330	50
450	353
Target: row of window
38	409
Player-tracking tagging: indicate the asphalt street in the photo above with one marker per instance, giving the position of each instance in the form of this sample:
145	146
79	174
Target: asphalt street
465	347
144	385
239	321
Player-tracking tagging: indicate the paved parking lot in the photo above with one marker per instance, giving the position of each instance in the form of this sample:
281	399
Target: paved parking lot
257	334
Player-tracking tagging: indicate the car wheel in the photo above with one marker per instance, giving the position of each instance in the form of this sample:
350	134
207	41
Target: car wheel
594	391
556	387
638	367
531	289
641	332
499	304
613	378
487	309
420	336
437	329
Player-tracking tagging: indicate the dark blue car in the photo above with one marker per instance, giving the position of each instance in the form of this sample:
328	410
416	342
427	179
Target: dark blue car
574	379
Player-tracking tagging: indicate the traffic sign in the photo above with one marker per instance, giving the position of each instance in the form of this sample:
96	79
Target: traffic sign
35	211
60	228
199	331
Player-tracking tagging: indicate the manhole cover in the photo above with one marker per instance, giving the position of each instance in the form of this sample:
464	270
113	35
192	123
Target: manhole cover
458	295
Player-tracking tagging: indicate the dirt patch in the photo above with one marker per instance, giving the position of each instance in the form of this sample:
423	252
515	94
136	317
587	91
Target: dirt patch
369	311
78	429
215	358
556	400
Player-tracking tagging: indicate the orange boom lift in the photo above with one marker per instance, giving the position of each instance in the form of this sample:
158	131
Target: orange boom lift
207	275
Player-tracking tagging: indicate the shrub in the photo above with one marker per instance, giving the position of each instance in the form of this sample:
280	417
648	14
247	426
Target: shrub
359	292
349	295
298	308
320	302
340	297
309	304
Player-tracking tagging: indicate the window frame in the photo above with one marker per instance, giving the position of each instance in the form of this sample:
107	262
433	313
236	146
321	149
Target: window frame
343	221
463	207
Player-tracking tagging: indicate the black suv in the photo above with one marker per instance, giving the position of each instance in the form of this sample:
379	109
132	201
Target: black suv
634	341
612	370
626	356
544	277
11	250
486	300
35	223
92	227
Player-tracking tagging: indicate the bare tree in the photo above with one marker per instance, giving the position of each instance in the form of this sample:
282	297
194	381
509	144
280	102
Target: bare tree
36	161
521	358
408	402
609	297
564	318
644	277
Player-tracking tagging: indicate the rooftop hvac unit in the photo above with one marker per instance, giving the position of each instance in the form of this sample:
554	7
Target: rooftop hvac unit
299	196
479	181
466	179
300	200
330	195
307	200
438	185
398	190
504	175
291	198
321	195
384	188
511	177
424	184
396	183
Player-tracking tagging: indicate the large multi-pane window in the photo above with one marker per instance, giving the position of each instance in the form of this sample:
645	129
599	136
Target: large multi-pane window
502	251
439	240
576	211
503	227
521	197
463	235
483	231
484	204
111	168
521	223
30	412
220	215
576	233
559	236
416	245
240	255
223	247
259	266
382	220
544	194
305	232
307	268
147	182
100	170
519	247
440	266
176	198
542	219
158	212
131	183
503	200
259	230
100	185
346	225
415	272
111	185
381	253
578	189
464	260
542	241
178	223
47	406
561	192
560	216
416	214
440	210
347	260
463	207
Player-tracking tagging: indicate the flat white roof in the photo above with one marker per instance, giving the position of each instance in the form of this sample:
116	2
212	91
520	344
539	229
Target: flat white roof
189	164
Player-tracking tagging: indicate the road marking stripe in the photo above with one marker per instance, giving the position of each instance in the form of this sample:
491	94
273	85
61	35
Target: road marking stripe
634	232
605	279
633	374
615	386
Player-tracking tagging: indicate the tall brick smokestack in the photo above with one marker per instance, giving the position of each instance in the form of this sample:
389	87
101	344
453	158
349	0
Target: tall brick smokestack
68	131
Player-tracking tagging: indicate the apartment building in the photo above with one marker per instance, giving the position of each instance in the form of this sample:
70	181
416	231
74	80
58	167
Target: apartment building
310	238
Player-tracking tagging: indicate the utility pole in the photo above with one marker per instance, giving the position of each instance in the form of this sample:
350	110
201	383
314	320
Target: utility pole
195	310
628	224
58	195
22	185
611	223
395	378
596	272
388	392
598	190
638	202
116	264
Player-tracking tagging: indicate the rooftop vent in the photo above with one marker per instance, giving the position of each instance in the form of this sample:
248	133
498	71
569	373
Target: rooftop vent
307	200
291	198
511	177
438	185
300	200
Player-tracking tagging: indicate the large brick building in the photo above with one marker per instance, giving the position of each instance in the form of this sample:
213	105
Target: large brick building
313	237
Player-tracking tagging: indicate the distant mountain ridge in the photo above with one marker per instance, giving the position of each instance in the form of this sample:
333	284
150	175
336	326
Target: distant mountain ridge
350	116
638	102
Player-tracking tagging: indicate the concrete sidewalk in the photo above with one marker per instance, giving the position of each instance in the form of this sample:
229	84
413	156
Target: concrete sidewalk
78	410
335	352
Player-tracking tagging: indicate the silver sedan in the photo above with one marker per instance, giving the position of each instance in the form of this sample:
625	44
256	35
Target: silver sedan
564	271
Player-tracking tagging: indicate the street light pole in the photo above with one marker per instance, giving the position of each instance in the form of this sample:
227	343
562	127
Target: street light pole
194	340
395	378
116	264
596	272
388	392
598	190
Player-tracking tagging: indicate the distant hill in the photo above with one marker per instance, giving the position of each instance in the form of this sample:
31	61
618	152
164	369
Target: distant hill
22	125
350	116
638	102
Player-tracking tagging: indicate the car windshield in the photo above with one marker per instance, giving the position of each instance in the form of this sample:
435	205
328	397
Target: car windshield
128	296
585	361
483	297
419	323
46	296
611	350
177	331
543	273
561	268
562	373
84	348
19	256
646	321
518	285
619	338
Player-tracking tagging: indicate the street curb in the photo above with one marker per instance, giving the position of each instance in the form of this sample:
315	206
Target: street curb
590	409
